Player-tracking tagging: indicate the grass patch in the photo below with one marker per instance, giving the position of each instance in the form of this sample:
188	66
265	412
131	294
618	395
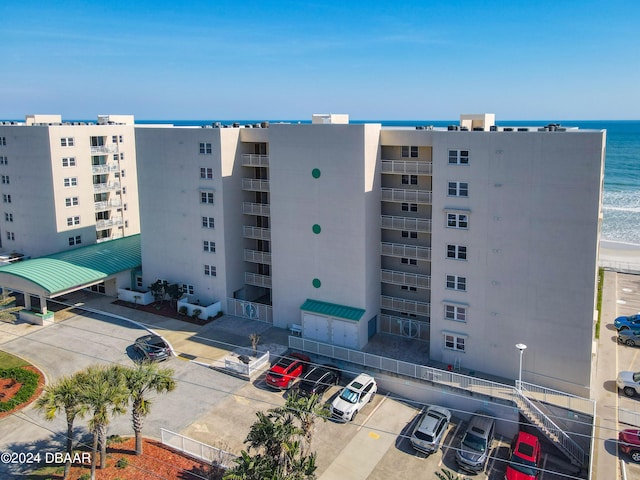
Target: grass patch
11	361
599	300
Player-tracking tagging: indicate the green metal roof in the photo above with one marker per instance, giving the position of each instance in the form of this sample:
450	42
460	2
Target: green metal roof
333	309
66	270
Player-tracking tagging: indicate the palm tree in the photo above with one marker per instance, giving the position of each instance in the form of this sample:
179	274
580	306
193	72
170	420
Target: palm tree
104	394
306	410
143	379
63	396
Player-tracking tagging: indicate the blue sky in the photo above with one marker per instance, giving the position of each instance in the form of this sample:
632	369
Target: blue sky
394	59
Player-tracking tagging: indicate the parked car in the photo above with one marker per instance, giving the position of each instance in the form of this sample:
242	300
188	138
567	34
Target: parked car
626	322
353	397
430	429
317	380
153	348
476	443
287	369
629	337
629	383
629	443
525	458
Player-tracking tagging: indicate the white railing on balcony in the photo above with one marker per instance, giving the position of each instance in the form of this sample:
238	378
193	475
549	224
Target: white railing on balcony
261	209
405	278
404	305
256	232
112	222
255	185
257	280
105	149
254	160
406	195
405	251
406	223
256	256
105	187
108	204
107	168
406	167
111	237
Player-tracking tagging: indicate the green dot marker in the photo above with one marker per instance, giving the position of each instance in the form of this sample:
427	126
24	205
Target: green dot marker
316	282
316	229
315	173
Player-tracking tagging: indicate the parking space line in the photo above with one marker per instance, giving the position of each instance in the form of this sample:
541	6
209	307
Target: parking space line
372	412
633	361
445	449
492	458
544	465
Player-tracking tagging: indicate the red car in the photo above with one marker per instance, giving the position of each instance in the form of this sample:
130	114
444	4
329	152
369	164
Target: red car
525	458
630	443
288	368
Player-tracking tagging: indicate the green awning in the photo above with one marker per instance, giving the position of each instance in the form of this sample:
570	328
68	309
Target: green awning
332	310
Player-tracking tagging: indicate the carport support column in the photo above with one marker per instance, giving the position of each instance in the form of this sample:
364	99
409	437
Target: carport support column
43	305
27	301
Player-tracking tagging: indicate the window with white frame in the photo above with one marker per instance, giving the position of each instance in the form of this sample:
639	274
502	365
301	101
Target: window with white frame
3	141
5	179
8	217
206	197
208	222
409	151
210	270
458	252
188	289
408	234
77	240
458	157
457	220
458	189
209	246
3	160
11	236
206	173
454	341
71	221
71	201
6	198
205	149
409	179
409	207
457	313
456	282
69	162
66	142
71	182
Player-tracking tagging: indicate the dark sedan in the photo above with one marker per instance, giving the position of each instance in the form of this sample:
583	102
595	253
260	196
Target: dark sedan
153	348
318	380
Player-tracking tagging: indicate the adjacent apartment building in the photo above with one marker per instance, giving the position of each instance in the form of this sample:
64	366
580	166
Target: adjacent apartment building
66	184
472	238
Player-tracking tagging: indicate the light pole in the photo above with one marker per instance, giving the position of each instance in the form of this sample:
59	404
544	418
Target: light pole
522	347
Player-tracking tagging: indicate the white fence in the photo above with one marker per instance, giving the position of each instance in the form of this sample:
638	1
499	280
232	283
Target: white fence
197	449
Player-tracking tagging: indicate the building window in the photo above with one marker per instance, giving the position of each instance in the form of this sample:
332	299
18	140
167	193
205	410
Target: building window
406	234
8	217
5	179
206	197
66	142
409	151
209	246
69	162
457	220
77	240
457	251
6	198
455	312
71	221
3	160
205	149
458	189
11	236
409	207
210	270
409	179
71	182
208	222
454	342
409	261
458	157
3	141
122	173
122	156
71	201
206	173
410	289
124	190
455	282
188	289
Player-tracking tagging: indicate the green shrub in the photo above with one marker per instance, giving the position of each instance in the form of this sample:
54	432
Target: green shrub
183	310
85	476
122	463
29	381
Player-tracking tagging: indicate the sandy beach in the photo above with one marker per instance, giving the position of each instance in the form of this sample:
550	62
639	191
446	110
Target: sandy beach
620	256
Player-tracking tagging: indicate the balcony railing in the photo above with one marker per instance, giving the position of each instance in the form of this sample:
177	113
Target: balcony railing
111	237
406	167
404	305
105	187
405	278
256	256
255	185
257	280
406	195
261	209
101	169
256	232
406	223
104	149
254	160
112	222
405	251
109	204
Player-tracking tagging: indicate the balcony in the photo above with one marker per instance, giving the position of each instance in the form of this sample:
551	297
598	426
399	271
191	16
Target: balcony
256	232
106	168
406	167
112	237
255	185
108	205
406	195
404	278
257	280
104	149
406	306
105	187
261	209
405	251
406	223
257	256
112	222
254	160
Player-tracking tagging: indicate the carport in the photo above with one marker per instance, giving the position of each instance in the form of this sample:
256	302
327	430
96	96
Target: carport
113	262
331	323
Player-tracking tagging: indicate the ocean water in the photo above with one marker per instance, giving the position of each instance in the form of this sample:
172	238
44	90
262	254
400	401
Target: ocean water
621	199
